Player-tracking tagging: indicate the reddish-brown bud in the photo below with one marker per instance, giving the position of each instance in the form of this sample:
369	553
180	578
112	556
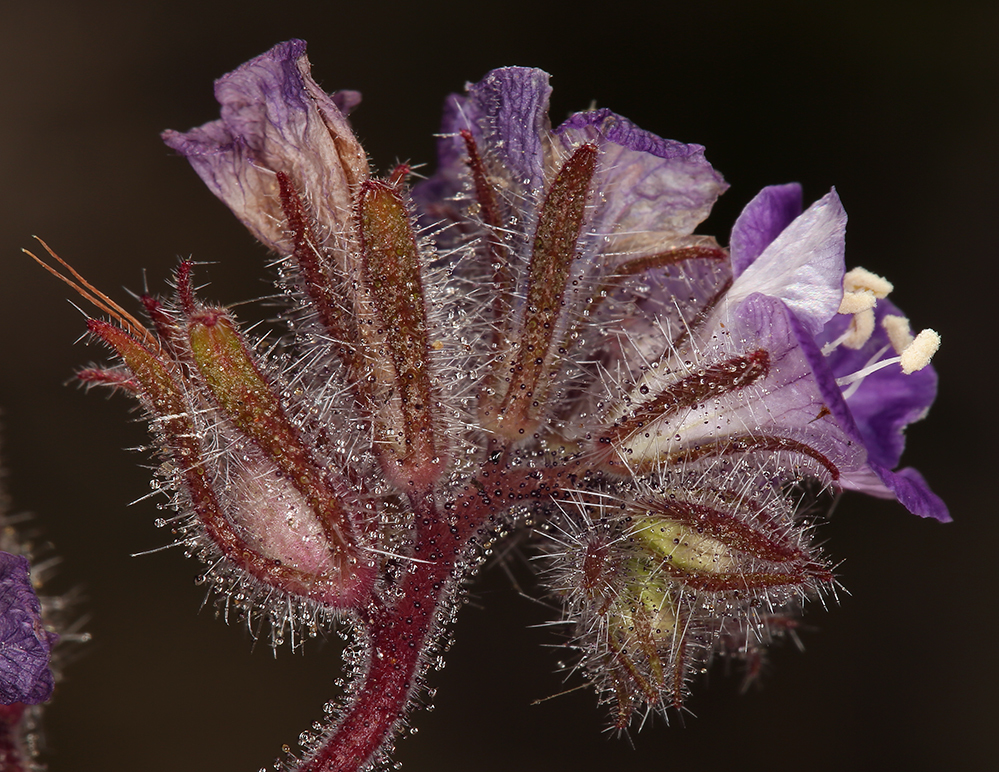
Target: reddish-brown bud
249	402
268	510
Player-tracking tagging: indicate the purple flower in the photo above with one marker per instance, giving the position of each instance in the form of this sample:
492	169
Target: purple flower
24	643
655	191
874	409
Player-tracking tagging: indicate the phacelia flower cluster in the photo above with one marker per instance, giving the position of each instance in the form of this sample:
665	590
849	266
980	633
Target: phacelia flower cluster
534	334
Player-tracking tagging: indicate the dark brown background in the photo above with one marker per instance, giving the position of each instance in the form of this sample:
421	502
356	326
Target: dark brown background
893	102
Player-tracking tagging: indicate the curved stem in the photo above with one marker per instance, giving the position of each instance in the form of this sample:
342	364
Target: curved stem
400	636
13	754
398	639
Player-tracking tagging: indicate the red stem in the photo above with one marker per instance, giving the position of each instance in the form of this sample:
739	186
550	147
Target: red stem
400	636
398	639
13	755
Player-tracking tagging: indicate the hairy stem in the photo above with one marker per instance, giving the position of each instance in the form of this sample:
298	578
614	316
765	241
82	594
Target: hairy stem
398	639
400	636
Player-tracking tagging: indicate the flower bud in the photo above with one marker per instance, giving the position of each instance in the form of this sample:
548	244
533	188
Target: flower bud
247	400
659	585
254	502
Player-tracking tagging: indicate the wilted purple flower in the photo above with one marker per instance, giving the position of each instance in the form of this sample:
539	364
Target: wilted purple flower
25	645
555	347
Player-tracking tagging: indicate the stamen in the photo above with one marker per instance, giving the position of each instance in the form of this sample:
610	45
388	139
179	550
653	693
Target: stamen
860	279
832	345
914	357
872	366
860	330
855	302
920	352
861	292
899	332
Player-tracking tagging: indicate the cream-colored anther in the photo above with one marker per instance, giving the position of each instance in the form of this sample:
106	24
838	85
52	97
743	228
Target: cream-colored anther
855	302
858	279
919	353
899	332
860	330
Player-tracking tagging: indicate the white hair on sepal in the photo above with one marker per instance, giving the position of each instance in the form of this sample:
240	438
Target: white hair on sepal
609	559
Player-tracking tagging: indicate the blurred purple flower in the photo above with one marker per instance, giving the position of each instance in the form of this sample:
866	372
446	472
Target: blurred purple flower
25	645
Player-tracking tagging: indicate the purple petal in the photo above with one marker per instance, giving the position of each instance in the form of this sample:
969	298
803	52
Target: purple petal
656	191
275	118
507	115
652	192
783	404
25	675
614	128
763	220
912	491
803	266
791	397
507	112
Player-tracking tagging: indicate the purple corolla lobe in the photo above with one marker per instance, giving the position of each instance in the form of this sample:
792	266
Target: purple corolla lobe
651	192
655	191
507	112
876	412
802	265
763	219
